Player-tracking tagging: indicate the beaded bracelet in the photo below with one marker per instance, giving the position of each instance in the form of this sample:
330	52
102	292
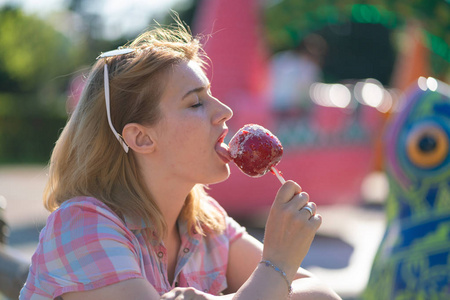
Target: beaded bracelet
268	263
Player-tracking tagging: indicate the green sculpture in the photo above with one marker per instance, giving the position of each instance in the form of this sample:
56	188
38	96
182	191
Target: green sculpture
413	260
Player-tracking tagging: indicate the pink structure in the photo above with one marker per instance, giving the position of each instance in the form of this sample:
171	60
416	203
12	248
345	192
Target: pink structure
328	155
238	58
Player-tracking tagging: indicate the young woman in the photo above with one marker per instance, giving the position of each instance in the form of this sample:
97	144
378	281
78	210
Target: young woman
130	218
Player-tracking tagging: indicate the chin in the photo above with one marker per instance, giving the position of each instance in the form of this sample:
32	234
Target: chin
220	176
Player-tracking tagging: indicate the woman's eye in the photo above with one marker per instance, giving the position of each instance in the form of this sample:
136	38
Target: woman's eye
198	104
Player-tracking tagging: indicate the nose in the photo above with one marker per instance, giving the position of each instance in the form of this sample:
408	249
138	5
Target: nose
223	112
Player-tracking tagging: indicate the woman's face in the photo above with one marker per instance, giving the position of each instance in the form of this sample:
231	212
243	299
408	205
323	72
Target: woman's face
192	127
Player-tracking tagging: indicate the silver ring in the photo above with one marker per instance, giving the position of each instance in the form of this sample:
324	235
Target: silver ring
309	210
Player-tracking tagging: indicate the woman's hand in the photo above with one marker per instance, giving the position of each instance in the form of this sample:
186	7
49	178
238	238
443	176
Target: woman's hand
190	294
290	228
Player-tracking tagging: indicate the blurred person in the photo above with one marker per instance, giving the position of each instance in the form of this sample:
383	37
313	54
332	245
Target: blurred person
130	217
13	268
292	74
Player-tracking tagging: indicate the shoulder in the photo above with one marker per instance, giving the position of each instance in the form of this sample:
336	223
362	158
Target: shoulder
83	217
83	246
85	204
233	230
212	203
86	209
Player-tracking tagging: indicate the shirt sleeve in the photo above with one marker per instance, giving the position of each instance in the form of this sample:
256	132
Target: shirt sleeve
233	229
85	246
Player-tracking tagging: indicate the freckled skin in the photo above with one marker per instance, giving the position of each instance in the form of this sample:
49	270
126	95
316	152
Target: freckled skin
255	150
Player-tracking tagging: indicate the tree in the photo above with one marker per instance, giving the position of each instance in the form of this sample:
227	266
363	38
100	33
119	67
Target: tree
289	21
35	66
32	53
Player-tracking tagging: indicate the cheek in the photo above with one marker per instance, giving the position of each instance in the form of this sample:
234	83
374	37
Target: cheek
187	137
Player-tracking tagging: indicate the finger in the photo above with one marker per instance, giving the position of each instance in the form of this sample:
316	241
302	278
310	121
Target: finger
173	294
316	221
167	296
300	200
309	210
287	192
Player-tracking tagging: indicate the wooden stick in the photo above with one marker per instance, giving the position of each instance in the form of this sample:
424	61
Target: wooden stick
277	174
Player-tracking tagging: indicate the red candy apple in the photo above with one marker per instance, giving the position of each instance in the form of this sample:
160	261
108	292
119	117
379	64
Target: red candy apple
255	150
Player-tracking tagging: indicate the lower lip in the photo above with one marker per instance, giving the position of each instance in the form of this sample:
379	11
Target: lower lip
222	151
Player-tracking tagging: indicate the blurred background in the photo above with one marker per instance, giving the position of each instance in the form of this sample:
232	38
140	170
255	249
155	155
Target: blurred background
325	76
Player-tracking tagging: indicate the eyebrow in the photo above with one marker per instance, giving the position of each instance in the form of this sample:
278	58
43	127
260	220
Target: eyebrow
196	90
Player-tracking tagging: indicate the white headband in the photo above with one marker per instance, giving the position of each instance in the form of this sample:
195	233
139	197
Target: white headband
119	51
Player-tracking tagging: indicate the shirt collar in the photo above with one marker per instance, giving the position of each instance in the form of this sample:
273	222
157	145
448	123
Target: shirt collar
137	223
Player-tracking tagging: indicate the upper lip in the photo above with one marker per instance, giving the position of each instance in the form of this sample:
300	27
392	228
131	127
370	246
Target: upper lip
222	136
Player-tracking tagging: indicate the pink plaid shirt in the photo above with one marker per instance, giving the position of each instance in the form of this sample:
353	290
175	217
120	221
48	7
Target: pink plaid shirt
85	246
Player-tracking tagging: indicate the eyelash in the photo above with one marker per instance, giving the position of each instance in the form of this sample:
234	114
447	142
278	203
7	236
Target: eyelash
198	104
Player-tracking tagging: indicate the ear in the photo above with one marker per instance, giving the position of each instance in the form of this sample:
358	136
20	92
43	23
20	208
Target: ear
138	138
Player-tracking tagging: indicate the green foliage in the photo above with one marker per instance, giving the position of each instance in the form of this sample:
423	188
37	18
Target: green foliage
28	131
28	139
289	21
32	52
301	17
35	66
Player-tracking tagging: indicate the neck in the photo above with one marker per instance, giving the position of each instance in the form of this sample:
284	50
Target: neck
169	194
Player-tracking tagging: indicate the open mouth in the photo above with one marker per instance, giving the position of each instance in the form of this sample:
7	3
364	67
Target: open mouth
222	148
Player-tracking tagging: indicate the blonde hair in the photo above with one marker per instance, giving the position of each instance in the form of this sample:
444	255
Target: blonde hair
88	160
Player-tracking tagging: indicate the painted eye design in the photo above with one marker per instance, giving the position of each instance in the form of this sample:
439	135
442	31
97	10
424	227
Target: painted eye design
427	145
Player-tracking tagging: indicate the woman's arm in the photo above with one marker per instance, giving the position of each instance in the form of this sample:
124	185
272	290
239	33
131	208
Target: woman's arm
245	255
287	240
289	233
136	289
